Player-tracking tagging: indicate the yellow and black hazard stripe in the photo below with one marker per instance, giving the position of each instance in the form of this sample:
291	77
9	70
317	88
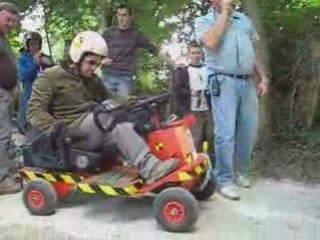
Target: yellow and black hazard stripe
105	189
51	177
108	190
189	175
189	158
83	187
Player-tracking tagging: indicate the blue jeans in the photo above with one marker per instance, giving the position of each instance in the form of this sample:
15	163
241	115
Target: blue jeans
235	114
118	84
26	94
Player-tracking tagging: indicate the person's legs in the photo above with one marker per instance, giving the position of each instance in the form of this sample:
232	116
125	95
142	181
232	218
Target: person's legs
224	114
209	136
110	82
118	84
7	165
133	148
197	130
125	86
224	111
247	124
26	94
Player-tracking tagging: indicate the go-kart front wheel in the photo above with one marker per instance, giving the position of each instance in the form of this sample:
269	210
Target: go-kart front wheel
176	209
39	197
208	190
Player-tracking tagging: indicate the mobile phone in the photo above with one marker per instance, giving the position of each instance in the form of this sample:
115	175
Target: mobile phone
215	85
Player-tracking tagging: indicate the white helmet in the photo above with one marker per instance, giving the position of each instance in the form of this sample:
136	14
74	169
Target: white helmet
87	42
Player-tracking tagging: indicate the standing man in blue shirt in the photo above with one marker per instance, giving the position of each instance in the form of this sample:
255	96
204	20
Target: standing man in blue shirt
235	81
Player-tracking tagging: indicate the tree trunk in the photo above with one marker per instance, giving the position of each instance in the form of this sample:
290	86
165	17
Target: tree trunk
310	102
45	14
67	43
106	15
253	10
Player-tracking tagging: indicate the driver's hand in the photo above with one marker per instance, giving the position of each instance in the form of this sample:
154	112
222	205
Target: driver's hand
98	108
132	99
76	134
59	128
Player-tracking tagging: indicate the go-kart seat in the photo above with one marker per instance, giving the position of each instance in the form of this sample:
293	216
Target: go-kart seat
58	154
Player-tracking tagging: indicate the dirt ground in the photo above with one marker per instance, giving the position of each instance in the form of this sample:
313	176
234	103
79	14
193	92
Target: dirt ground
296	159
271	210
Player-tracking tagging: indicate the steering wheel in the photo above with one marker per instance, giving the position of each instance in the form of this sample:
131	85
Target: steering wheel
152	101
145	104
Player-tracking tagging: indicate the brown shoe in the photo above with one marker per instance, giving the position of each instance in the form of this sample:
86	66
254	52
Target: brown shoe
161	169
9	186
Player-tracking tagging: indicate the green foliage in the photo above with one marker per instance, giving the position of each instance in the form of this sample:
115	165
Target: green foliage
292	150
65	18
288	25
292	153
24	5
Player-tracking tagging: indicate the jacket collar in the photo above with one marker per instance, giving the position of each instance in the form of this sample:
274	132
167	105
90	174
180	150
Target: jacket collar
195	65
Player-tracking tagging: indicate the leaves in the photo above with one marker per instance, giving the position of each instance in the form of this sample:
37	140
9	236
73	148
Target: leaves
287	23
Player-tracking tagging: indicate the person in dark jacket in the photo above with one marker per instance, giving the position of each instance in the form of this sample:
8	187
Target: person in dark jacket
8	81
31	63
124	40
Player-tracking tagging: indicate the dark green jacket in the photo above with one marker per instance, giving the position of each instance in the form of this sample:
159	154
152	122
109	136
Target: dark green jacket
60	95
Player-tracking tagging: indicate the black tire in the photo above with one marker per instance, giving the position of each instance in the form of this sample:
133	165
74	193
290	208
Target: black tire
40	198
206	192
176	199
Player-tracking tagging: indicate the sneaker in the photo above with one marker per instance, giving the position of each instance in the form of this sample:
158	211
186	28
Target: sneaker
161	169
242	181
9	186
229	192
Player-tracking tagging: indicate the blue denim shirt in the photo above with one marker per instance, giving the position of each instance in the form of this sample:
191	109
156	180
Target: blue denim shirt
235	53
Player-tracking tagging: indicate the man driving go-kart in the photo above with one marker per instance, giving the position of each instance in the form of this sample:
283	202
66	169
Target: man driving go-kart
69	93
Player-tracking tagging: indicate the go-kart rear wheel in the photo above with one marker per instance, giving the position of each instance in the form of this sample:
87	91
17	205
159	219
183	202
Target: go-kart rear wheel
39	197
208	190
176	209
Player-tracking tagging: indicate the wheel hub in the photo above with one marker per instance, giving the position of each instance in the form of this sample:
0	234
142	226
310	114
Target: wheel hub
174	212
36	198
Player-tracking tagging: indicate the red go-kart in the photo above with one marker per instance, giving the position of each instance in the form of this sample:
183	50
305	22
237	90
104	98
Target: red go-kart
51	174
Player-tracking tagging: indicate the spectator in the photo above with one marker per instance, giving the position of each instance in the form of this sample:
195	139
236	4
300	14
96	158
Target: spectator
124	40
31	63
189	86
227	37
9	14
